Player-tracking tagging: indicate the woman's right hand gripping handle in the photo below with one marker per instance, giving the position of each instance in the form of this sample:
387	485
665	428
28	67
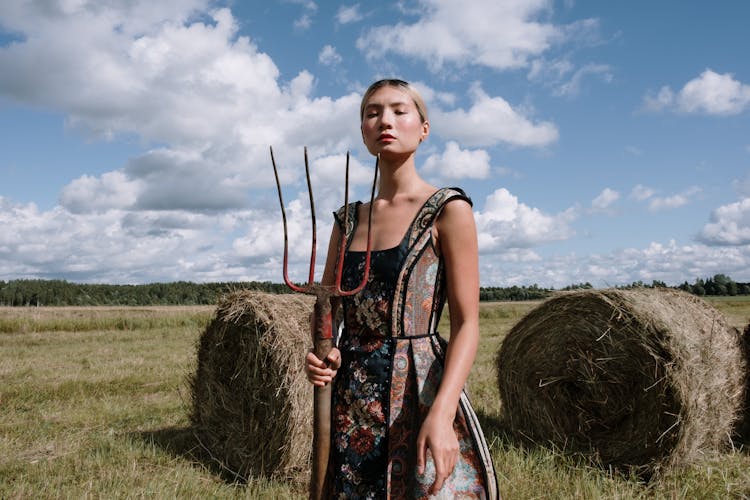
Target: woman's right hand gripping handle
321	372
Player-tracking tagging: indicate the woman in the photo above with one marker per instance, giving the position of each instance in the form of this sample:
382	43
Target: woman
402	426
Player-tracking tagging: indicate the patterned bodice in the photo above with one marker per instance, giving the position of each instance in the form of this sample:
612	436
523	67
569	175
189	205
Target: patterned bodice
404	295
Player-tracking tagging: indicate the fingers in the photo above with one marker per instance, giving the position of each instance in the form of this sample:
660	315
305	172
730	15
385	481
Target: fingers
443	469
437	485
443	452
444	465
421	454
334	359
320	372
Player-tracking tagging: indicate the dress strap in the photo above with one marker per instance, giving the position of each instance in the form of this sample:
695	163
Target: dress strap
352	220
432	209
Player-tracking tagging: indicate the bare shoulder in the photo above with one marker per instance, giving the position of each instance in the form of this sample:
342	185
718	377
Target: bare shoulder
455	224
455	211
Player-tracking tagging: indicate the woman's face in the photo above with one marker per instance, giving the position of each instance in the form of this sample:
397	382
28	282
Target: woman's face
391	123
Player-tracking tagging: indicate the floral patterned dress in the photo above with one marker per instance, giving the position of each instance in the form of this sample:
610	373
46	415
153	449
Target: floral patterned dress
392	364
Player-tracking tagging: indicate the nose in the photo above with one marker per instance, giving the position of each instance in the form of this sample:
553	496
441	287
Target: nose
386	119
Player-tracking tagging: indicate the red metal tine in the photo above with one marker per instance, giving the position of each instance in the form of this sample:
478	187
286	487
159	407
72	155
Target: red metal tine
342	246
310	287
311	277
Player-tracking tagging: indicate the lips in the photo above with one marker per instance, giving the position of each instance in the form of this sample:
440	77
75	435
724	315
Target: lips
386	137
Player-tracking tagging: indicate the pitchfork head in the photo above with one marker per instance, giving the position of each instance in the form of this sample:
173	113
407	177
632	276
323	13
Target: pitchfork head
310	287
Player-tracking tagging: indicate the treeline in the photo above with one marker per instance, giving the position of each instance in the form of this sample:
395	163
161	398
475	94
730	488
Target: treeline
513	293
718	285
65	293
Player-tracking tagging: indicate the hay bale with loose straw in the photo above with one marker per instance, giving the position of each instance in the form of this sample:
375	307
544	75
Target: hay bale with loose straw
636	379
252	405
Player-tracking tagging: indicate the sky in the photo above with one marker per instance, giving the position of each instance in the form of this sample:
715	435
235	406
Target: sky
600	142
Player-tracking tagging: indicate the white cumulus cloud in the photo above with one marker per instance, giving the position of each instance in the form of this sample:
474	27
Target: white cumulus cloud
490	121
115	246
507	223
710	93
729	225
500	35
457	163
111	190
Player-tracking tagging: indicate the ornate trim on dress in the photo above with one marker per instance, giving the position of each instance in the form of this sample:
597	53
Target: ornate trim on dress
351	221
432	208
419	237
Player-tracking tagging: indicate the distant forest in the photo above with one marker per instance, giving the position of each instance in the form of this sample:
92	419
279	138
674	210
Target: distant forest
65	293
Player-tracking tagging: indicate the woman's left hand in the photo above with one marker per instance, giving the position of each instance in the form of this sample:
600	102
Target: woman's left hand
438	435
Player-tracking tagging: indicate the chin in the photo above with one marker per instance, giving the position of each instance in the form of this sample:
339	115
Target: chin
392	150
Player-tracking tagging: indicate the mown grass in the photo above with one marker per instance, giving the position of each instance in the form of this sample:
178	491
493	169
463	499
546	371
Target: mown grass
86	319
94	403
736	309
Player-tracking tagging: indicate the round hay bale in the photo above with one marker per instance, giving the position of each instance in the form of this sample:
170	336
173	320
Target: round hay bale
252	405
638	379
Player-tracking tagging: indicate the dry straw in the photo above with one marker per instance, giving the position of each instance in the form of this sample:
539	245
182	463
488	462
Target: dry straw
252	405
636	379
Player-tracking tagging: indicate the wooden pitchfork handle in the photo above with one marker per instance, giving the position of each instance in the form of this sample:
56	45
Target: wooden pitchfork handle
322	330
322	333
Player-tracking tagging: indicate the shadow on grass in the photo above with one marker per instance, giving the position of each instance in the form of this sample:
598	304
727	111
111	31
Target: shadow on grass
183	442
742	426
497	430
741	434
500	433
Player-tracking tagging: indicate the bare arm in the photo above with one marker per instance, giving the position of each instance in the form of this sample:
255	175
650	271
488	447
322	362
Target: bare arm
457	241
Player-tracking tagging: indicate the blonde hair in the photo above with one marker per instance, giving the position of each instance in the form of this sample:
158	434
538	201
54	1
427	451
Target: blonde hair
400	84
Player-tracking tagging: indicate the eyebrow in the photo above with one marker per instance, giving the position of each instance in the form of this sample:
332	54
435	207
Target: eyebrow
390	104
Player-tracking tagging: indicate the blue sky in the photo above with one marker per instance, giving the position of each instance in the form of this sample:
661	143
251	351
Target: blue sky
605	142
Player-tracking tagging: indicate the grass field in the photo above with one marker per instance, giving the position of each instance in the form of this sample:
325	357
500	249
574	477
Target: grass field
94	403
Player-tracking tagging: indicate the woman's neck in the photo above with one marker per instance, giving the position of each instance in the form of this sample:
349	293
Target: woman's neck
399	177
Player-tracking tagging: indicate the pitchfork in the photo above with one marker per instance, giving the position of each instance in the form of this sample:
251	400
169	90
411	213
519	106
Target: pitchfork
322	328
